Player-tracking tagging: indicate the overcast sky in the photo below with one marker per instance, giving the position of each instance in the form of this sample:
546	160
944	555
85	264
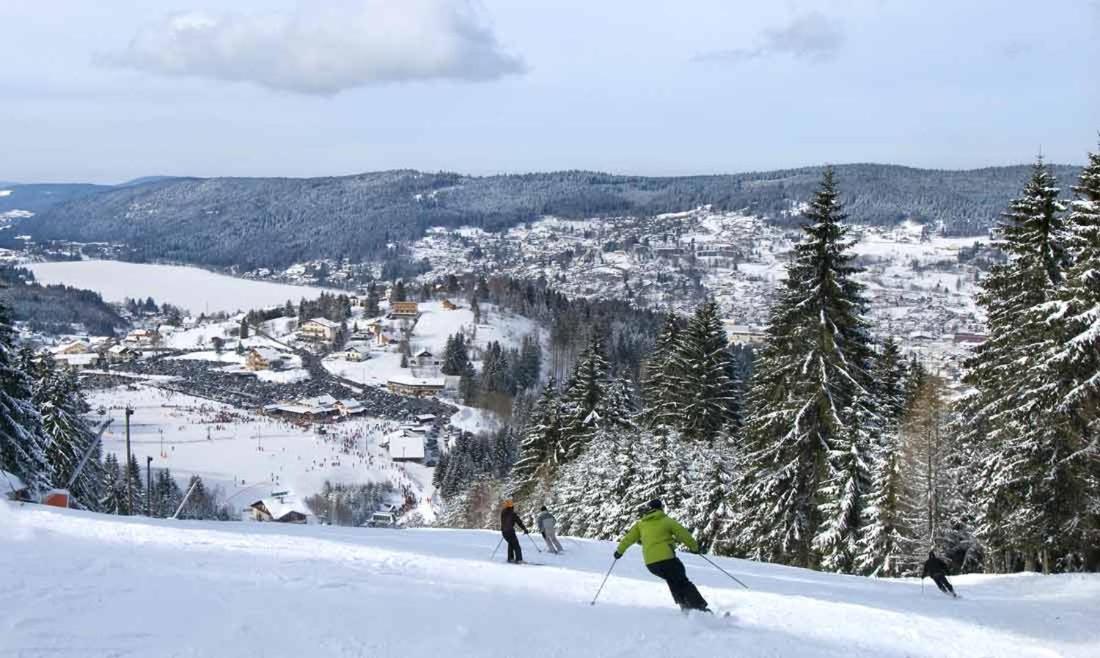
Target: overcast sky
109	90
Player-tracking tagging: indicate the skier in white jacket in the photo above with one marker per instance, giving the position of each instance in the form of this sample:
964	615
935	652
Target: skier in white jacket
547	526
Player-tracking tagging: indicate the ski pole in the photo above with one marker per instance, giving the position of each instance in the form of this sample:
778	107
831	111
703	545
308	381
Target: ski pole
533	542
496	549
723	570
604	582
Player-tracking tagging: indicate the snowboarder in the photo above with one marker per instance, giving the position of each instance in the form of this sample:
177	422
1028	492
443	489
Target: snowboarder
658	534
547	525
937	569
508	522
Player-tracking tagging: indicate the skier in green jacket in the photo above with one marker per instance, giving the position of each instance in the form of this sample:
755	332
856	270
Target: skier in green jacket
658	534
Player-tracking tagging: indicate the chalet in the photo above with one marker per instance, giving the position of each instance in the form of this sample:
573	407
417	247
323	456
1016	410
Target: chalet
320	408
427	419
263	358
424	359
350	407
405	447
356	353
143	338
78	362
448	305
12	488
73	347
273	509
120	354
415	387
319	330
407	310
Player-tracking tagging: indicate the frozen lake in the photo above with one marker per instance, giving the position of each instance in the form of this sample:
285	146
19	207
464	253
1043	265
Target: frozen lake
194	289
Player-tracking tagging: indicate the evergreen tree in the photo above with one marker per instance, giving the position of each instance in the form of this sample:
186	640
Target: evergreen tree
455	356
528	367
711	509
371	308
23	442
809	397
662	471
63	406
243	331
397	293
700	387
1022	501
539	448
583	398
657	371
114	487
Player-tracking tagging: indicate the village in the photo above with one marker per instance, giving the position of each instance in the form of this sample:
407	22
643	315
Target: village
283	406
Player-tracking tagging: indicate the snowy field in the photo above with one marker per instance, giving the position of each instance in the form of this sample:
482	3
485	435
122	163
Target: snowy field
80	584
248	455
194	289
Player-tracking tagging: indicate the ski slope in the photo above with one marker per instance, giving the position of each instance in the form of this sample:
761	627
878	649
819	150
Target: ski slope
81	584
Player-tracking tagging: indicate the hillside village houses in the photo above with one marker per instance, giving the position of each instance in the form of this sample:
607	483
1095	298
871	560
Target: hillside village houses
356	352
404	310
263	358
318	409
319	330
417	387
143	338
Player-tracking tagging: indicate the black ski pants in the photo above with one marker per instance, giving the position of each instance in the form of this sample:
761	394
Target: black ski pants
515	553
941	582
684	592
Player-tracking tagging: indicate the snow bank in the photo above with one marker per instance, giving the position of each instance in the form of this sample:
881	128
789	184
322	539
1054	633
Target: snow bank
81	584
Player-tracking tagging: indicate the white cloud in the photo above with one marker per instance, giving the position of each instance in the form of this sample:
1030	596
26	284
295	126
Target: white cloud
325	50
812	36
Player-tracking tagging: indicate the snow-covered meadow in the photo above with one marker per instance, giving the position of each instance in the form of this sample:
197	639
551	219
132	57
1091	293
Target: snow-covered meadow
248	455
191	288
81	584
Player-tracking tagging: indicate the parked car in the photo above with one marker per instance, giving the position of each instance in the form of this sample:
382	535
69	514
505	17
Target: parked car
383	520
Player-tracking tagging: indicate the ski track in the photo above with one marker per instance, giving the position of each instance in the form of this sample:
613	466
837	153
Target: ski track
80	584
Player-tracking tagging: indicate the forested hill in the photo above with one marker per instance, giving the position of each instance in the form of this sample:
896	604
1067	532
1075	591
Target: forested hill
255	222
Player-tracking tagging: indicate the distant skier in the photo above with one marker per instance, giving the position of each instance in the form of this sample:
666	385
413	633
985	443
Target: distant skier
658	534
547	525
937	569
508	522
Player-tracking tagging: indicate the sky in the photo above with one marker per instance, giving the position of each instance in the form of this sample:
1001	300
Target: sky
110	90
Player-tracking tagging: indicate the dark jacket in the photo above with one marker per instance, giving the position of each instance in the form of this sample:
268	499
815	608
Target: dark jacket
509	520
934	567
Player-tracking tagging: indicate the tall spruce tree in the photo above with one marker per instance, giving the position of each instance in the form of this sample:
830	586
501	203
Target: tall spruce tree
538	450
23	442
62	406
583	398
700	393
1021	499
808	396
657	371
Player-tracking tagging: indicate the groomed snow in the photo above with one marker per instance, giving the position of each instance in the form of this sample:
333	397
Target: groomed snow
194	289
91	585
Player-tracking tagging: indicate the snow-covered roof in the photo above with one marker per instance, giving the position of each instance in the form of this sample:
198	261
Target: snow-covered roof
119	349
423	352
352	406
84	359
279	509
324	322
79	345
9	481
426	418
358	349
406	446
267	353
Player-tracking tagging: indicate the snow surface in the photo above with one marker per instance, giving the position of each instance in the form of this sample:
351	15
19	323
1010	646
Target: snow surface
92	585
194	289
238	450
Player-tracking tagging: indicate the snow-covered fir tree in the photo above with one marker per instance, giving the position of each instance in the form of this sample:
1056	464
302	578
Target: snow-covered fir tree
710	507
656	371
662	471
23	442
62	406
1025	493
699	393
539	447
808	393
114	487
583	398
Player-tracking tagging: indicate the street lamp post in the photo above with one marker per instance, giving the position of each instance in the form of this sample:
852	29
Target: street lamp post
148	486
129	465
